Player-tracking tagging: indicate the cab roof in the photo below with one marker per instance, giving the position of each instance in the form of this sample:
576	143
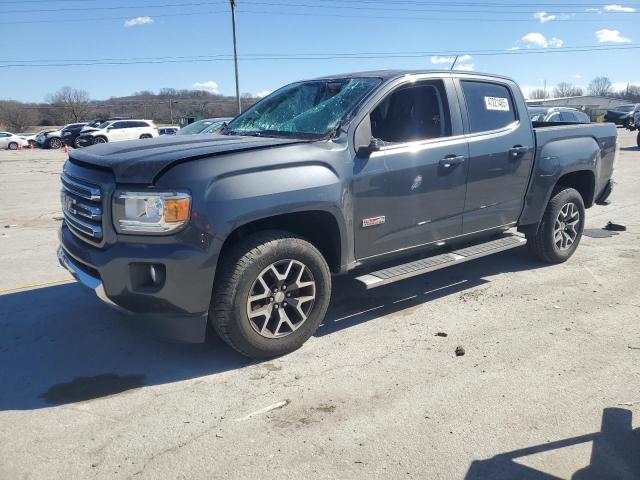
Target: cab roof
393	74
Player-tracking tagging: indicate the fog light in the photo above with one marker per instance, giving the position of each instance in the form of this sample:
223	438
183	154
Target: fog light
157	274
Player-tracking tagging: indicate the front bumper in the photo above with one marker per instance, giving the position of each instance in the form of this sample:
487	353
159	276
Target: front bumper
177	309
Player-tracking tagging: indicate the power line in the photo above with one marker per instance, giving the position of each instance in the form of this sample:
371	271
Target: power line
316	14
270	55
329	57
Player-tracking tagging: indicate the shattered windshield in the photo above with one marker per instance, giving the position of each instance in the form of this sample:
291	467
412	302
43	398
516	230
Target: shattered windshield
306	109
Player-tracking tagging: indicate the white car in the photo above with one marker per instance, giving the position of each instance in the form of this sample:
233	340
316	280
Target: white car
12	141
117	130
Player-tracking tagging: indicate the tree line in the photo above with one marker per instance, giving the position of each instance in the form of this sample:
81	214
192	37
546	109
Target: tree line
600	86
71	105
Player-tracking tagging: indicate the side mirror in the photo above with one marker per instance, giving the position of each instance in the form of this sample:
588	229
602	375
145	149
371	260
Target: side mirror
364	143
109	129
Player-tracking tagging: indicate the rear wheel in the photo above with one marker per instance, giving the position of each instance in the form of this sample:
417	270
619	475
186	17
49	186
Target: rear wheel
271	293
12	146
55	143
560	230
97	140
76	142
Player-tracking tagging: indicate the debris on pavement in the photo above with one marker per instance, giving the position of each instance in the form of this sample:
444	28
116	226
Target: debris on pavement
441	334
615	227
266	409
460	351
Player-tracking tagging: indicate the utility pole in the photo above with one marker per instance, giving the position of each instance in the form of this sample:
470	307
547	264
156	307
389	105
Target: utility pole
171	110
235	53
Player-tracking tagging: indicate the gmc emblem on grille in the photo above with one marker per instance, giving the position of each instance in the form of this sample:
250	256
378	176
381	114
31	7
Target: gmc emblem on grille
68	203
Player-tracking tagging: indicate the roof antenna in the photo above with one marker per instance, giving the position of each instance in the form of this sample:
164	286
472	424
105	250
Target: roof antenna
454	62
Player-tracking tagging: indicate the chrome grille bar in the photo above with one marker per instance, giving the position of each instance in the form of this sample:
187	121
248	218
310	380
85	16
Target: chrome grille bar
83	190
82	208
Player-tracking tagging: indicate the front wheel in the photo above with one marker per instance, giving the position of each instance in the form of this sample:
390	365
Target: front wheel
271	294
12	146
145	135
55	143
76	142
559	232
99	140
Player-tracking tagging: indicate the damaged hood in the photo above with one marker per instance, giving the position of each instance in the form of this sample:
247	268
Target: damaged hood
140	161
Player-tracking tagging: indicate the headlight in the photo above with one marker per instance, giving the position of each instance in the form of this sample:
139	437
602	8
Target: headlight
150	212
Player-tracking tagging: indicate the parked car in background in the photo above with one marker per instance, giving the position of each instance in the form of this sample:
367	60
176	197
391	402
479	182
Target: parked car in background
558	115
168	130
71	134
99	121
634	124
201	125
622	115
30	137
12	141
118	130
57	138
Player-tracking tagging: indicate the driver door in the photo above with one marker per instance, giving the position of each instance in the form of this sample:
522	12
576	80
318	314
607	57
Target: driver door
411	191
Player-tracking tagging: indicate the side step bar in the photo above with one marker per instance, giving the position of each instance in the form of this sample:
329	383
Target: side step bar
429	264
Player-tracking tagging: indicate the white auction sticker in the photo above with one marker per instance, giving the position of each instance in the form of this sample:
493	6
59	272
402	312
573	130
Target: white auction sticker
497	103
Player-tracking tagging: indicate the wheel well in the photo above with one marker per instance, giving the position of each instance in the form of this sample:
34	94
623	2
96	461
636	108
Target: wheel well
318	227
583	181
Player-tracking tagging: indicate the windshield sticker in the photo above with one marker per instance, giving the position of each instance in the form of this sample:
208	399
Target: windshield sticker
497	103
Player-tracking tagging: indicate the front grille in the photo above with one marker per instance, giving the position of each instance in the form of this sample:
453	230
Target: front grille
82	208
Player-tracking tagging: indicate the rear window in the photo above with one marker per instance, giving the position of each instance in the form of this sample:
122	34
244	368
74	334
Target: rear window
490	106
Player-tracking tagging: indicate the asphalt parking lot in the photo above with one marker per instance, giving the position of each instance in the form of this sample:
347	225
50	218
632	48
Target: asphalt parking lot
548	388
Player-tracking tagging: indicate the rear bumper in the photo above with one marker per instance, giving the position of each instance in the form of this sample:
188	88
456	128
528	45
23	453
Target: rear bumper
177	309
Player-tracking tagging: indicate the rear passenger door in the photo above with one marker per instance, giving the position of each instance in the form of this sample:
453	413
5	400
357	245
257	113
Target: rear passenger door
501	151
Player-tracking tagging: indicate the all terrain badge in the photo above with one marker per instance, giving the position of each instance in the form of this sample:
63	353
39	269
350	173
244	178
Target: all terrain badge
370	222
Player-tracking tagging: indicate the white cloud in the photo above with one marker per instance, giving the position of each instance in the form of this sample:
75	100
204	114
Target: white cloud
544	17
535	39
462	60
611	36
577	76
263	93
467	67
619	8
134	22
209	86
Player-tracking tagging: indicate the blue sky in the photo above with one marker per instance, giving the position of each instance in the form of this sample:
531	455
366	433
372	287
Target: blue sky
160	28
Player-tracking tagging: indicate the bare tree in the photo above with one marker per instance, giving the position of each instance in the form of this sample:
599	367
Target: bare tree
564	89
601	86
538	94
16	116
73	105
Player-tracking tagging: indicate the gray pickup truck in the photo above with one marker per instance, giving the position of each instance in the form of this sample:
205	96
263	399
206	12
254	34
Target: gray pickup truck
385	175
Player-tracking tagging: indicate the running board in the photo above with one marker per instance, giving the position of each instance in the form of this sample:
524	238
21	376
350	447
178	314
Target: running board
429	264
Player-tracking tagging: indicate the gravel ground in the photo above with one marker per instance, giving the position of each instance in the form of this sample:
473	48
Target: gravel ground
548	388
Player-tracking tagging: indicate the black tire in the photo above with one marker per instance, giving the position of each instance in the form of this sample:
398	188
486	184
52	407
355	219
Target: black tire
76	142
54	143
97	140
235	278
541	241
12	146
638	138
145	135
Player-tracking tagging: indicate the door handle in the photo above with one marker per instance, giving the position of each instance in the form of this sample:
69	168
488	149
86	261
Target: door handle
451	161
518	150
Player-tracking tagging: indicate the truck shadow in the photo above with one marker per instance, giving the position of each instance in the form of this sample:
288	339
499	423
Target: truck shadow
60	345
615	454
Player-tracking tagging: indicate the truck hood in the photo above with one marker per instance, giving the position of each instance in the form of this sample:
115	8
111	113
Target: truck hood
141	161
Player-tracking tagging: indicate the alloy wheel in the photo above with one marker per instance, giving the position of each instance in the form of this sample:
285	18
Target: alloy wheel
281	298
565	230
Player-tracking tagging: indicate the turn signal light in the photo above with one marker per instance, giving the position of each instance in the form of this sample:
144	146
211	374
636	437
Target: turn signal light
176	209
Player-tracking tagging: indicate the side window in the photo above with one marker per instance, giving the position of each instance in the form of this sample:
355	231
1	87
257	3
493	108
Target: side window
490	105
142	124
4	135
416	112
554	117
117	125
568	117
